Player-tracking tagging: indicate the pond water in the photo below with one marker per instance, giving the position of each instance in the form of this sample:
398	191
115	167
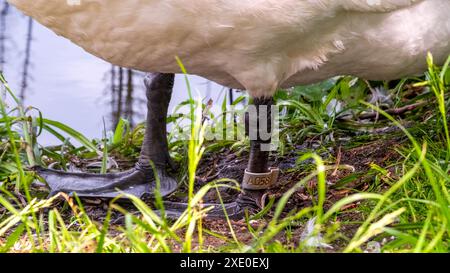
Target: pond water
69	85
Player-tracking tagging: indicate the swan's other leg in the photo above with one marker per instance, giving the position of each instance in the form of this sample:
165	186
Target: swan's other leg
140	180
257	178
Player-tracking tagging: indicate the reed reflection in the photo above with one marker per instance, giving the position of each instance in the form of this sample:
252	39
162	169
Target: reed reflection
125	93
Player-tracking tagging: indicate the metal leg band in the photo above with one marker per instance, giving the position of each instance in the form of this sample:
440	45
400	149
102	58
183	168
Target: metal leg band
260	181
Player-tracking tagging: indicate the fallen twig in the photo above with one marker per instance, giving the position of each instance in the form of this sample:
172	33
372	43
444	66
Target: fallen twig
338	161
393	112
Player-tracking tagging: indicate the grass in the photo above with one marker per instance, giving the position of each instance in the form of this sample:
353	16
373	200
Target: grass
396	203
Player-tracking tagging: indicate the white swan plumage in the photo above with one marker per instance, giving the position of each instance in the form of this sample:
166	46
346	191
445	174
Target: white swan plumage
257	45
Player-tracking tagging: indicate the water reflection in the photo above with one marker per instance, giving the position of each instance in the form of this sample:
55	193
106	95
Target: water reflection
3	14
26	62
124	103
69	85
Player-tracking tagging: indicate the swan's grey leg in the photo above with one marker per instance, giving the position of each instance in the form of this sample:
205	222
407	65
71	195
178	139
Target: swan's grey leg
140	180
155	147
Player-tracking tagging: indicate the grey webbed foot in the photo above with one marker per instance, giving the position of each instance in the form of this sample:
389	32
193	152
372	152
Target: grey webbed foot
138	181
247	201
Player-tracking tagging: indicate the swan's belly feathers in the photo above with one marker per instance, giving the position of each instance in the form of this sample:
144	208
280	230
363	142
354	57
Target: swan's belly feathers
258	45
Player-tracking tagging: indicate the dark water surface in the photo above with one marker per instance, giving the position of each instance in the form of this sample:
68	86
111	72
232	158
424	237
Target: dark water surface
71	86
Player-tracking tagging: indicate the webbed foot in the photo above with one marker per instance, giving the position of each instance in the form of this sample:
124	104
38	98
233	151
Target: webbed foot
246	202
138	181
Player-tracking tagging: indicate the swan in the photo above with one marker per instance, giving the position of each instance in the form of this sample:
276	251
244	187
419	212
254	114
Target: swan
254	45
